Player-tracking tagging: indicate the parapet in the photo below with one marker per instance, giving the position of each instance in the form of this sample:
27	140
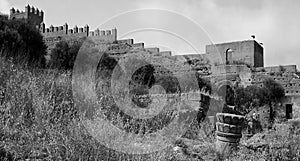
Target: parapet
31	15
28	10
154	50
104	35
127	41
64	30
284	68
138	45
165	53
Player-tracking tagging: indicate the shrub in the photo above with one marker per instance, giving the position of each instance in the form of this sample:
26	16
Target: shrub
63	55
22	43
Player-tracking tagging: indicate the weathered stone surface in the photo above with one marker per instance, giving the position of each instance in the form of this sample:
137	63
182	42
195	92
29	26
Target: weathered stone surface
227	128
228	139
229	132
231	119
229	135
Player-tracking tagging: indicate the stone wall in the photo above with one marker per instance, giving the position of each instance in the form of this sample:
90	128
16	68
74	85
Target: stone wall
31	15
295	101
280	68
242	52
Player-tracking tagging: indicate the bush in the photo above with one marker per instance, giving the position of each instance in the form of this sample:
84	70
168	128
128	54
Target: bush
246	99
63	55
269	145
22	43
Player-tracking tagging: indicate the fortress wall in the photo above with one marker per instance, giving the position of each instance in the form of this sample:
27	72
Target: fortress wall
19	15
295	101
258	55
35	18
102	36
138	46
53	34
286	68
30	15
153	50
223	69
82	34
165	53
63	31
248	52
128	41
103	39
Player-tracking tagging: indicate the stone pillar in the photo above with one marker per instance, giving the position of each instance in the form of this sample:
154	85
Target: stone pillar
228	132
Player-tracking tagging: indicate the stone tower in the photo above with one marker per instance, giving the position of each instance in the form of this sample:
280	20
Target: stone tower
31	15
240	52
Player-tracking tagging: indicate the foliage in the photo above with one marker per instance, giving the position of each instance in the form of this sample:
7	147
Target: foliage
63	55
253	96
21	42
39	121
274	90
269	145
248	98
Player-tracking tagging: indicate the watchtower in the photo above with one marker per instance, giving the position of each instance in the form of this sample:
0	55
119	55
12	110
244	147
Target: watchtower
31	15
247	52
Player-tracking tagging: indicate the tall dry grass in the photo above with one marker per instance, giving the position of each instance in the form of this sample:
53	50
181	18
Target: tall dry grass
38	120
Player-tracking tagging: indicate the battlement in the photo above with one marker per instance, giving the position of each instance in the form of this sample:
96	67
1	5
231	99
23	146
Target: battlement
64	30
54	31
30	15
105	35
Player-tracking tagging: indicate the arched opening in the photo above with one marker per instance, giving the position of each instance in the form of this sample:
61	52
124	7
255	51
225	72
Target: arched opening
228	56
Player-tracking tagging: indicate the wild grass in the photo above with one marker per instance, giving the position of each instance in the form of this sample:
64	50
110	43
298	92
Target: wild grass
38	121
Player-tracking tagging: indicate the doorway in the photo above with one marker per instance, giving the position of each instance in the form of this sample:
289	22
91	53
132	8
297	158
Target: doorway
288	111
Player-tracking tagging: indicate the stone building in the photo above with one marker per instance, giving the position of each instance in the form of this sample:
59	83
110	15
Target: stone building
244	64
31	15
240	62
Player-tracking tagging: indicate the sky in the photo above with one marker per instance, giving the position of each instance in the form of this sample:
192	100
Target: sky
184	26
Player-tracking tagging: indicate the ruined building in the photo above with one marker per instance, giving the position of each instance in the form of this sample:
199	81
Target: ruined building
241	62
54	34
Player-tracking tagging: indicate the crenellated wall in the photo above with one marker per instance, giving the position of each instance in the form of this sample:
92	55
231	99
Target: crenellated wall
64	30
31	15
280	68
54	34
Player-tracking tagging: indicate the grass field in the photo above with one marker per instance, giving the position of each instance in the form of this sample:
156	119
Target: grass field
38	121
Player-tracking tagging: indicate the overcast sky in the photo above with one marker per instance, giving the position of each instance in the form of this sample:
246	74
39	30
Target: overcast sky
274	22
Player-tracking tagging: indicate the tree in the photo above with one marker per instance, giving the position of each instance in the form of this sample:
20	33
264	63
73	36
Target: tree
248	98
63	55
22	43
273	92
253	96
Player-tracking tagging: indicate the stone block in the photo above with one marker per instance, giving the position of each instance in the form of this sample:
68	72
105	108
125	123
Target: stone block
227	128
231	119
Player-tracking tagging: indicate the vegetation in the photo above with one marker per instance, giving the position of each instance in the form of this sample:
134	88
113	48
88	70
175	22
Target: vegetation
63	55
253	96
38	119
22	43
